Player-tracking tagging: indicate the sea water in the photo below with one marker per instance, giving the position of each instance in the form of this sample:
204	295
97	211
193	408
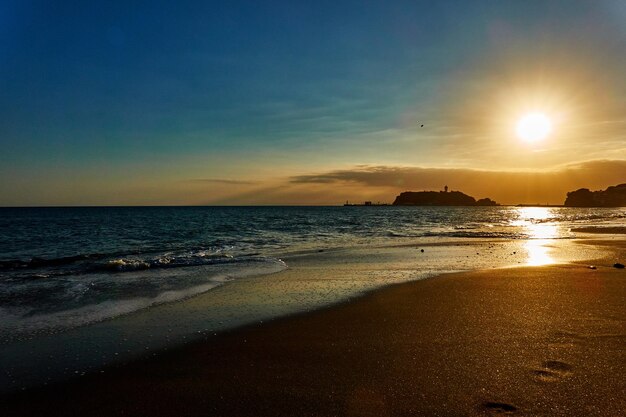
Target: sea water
76	283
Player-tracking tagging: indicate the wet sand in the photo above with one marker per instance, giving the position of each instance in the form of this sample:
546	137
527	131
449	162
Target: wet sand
540	341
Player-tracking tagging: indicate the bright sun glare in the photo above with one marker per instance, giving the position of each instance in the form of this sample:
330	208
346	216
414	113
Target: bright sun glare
533	127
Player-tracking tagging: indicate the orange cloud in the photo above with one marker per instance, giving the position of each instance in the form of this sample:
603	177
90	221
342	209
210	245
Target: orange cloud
383	183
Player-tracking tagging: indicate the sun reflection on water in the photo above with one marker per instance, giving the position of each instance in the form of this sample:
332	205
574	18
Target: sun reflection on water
535	222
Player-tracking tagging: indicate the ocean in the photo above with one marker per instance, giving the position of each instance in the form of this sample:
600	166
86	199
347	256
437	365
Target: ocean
72	275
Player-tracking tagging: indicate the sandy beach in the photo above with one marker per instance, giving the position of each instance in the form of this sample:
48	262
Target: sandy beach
313	209
540	341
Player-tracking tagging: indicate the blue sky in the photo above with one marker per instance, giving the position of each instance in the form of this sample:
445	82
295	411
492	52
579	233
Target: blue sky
107	96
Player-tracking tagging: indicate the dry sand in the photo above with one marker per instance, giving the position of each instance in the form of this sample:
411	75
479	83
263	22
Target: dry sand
532	341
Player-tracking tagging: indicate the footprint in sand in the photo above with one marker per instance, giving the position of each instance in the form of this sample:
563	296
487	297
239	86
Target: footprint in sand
499	408
552	371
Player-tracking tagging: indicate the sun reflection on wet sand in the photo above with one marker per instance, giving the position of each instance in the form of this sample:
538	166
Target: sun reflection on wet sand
535	223
538	253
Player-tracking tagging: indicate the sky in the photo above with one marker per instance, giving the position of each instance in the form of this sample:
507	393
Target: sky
247	102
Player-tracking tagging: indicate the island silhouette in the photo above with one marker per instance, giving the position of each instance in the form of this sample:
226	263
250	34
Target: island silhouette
614	196
440	198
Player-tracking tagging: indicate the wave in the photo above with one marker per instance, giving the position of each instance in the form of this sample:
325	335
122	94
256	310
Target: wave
614	230
92	313
57	304
40	268
393	233
460	232
477	235
37	262
164	261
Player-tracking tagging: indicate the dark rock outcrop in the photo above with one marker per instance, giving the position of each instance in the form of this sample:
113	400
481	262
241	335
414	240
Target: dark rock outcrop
611	197
439	198
486	202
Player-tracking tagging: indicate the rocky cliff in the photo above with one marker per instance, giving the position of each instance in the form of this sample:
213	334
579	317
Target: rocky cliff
611	197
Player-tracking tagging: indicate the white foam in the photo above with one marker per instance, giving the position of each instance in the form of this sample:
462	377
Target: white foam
19	323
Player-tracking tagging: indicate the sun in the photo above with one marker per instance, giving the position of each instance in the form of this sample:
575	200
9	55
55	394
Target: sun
533	127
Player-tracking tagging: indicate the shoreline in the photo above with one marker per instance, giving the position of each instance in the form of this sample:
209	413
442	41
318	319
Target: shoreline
358	317
315	281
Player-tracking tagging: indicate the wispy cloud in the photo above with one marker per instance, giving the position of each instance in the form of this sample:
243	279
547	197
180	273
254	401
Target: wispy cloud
385	176
220	181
